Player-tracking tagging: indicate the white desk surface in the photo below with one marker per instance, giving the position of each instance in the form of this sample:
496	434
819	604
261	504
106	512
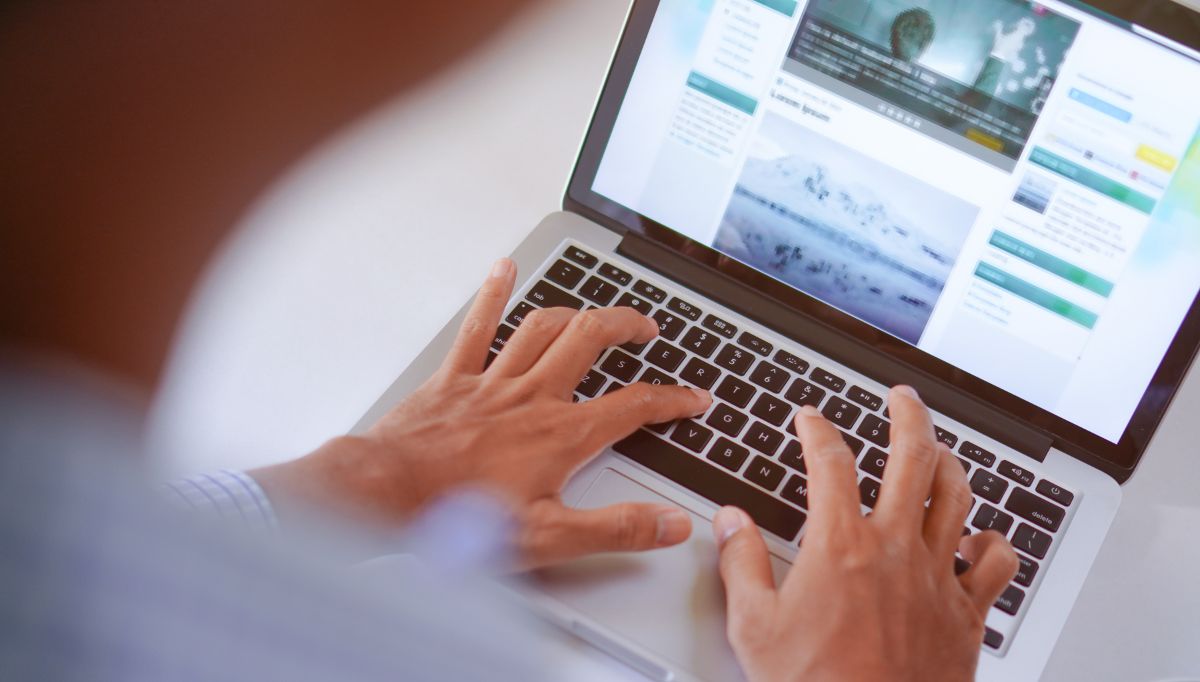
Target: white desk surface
352	263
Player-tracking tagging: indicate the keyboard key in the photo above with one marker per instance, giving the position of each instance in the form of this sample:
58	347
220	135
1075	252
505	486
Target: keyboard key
965	465
728	454
669	325
977	454
712	483
803	393
503	334
1011	471
764	472
720	326
988	485
546	295
517	316
727	420
660	429
1028	567
1010	601
598	291
793	456
637	303
735	391
841	413
874	462
791	362
691	435
992	639
609	271
591	384
1036	509
1055	492
734	359
650	291
656	378
614	386
868	490
755	344
865	398
564	274
763	439
491	357
621	366
634	348
875	430
960	565
769	376
830	381
990	518
945	436
665	355
700	342
796	490
1032	541
699	373
685	309
771	409
855	445
580	256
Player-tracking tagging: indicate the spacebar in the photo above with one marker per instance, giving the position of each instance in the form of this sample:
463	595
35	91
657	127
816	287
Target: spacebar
711	483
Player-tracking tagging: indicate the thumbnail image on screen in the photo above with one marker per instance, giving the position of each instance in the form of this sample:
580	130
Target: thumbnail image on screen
844	228
979	69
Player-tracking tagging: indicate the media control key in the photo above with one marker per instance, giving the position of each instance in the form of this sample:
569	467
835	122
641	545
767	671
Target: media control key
1009	470
830	381
720	326
650	291
616	274
755	344
865	398
977	454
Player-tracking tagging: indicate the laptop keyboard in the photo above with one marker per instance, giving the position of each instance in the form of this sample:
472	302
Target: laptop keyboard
743	451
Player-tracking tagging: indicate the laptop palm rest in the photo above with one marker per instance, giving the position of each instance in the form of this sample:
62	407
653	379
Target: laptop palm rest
669	601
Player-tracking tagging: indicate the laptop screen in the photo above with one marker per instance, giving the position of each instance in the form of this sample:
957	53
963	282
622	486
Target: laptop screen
1012	187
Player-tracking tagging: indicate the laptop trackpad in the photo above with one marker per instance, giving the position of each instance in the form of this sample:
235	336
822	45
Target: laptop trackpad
669	601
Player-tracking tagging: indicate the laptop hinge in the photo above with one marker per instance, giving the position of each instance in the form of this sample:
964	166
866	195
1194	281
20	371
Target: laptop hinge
805	330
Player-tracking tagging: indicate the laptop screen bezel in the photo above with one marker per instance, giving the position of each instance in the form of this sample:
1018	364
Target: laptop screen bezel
1164	17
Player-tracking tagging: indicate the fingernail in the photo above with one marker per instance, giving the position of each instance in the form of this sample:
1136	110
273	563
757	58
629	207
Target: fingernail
501	268
704	397
908	391
674	527
809	411
728	521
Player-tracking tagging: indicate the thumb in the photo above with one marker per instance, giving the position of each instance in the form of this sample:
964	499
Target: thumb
745	568
555	534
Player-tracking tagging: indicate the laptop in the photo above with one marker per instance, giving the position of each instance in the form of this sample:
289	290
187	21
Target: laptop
994	201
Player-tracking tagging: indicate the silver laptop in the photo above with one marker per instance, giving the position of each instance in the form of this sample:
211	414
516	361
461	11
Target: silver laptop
995	201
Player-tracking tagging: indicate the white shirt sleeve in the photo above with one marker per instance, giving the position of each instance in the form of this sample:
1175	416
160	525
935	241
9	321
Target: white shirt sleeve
229	495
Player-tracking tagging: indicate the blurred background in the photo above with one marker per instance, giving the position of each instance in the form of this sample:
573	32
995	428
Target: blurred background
349	265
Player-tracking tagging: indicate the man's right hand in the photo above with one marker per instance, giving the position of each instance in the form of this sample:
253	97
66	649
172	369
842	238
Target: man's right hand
868	598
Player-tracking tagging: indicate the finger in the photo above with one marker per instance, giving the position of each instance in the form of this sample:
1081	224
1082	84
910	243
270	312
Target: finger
555	534
745	568
539	329
993	565
951	500
478	329
833	497
914	457
610	418
585	338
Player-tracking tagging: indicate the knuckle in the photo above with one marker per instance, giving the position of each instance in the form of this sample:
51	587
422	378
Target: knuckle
538	320
472	326
640	396
629	528
591	324
922	452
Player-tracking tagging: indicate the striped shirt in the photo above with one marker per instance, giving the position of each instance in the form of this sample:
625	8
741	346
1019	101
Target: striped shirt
226	495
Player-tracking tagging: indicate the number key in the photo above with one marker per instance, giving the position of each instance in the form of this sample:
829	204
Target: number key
842	413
